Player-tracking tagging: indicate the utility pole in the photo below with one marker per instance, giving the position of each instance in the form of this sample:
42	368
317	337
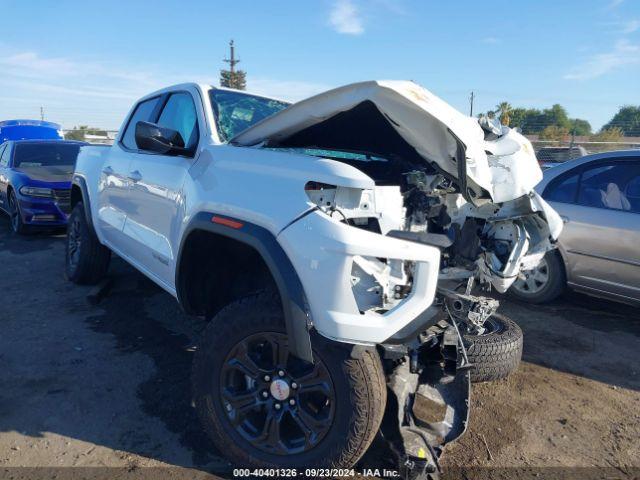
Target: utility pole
42	113
233	78
471	97
232	61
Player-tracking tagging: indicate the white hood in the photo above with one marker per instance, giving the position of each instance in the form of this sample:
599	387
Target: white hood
409	121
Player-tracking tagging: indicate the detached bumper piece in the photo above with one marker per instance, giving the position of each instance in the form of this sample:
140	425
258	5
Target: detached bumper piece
428	402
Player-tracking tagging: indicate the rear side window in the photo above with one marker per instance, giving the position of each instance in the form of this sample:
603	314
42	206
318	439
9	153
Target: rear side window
563	191
179	113
142	113
613	185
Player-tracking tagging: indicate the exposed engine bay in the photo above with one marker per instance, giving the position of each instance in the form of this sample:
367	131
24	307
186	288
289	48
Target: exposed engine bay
491	243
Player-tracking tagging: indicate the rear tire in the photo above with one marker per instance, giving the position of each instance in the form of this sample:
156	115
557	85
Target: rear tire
239	377
496	354
542	284
86	259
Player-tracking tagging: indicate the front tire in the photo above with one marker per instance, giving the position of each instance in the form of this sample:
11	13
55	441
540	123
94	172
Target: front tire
86	259
265	408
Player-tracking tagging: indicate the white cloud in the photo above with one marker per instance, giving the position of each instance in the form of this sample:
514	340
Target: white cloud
491	40
615	3
346	18
631	26
623	54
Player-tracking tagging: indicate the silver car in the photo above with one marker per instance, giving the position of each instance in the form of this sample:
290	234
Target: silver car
598	197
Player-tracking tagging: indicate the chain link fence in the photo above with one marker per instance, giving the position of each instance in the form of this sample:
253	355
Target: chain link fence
560	151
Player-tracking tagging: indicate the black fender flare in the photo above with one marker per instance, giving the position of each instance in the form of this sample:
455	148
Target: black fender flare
294	302
81	183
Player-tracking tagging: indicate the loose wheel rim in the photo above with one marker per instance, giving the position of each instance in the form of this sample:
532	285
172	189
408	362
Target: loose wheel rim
73	242
490	325
534	280
279	404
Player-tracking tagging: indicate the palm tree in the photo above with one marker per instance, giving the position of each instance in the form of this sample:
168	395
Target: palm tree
505	109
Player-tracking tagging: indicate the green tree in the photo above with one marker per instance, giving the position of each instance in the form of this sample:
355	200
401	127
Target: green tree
505	111
237	79
580	127
611	134
554	133
627	120
556	115
529	120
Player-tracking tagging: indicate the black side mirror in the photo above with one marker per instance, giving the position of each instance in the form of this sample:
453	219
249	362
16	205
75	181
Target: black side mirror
165	141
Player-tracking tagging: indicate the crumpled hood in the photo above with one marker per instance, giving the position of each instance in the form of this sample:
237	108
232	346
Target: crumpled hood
402	118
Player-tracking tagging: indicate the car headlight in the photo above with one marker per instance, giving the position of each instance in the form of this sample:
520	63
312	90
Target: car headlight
36	191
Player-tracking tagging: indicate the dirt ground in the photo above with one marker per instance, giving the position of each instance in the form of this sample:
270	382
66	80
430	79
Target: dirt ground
108	385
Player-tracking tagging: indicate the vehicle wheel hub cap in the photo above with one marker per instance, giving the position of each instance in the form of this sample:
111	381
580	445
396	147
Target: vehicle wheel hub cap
534	280
279	390
276	402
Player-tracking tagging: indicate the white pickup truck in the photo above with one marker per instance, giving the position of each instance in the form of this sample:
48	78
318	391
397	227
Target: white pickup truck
334	244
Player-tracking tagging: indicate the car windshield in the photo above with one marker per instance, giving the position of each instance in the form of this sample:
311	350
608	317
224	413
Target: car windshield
45	154
237	111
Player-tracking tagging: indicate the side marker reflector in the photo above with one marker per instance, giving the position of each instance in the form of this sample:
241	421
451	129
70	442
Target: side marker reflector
227	222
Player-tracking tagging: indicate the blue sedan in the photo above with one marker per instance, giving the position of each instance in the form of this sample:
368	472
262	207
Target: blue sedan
35	182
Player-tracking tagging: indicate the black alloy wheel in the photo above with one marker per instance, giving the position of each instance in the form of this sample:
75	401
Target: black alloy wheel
277	403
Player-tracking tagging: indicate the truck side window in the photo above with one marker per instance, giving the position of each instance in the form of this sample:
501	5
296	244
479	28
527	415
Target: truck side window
142	113
179	113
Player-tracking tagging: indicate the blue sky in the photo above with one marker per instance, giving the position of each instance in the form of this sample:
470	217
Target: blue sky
85	62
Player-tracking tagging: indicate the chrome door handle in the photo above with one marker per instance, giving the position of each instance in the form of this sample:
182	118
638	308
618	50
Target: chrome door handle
135	176
107	170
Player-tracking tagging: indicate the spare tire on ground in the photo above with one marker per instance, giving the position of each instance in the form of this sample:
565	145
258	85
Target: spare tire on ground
496	353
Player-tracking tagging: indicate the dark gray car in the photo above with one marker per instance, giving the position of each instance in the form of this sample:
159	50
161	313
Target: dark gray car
598	197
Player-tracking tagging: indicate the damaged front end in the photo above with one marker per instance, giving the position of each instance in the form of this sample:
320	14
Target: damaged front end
436	172
451	205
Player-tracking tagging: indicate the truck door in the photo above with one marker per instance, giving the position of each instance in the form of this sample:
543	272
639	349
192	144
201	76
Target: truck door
156	196
113	202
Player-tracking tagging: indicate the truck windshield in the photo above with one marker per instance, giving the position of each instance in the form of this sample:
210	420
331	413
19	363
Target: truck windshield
45	154
237	111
